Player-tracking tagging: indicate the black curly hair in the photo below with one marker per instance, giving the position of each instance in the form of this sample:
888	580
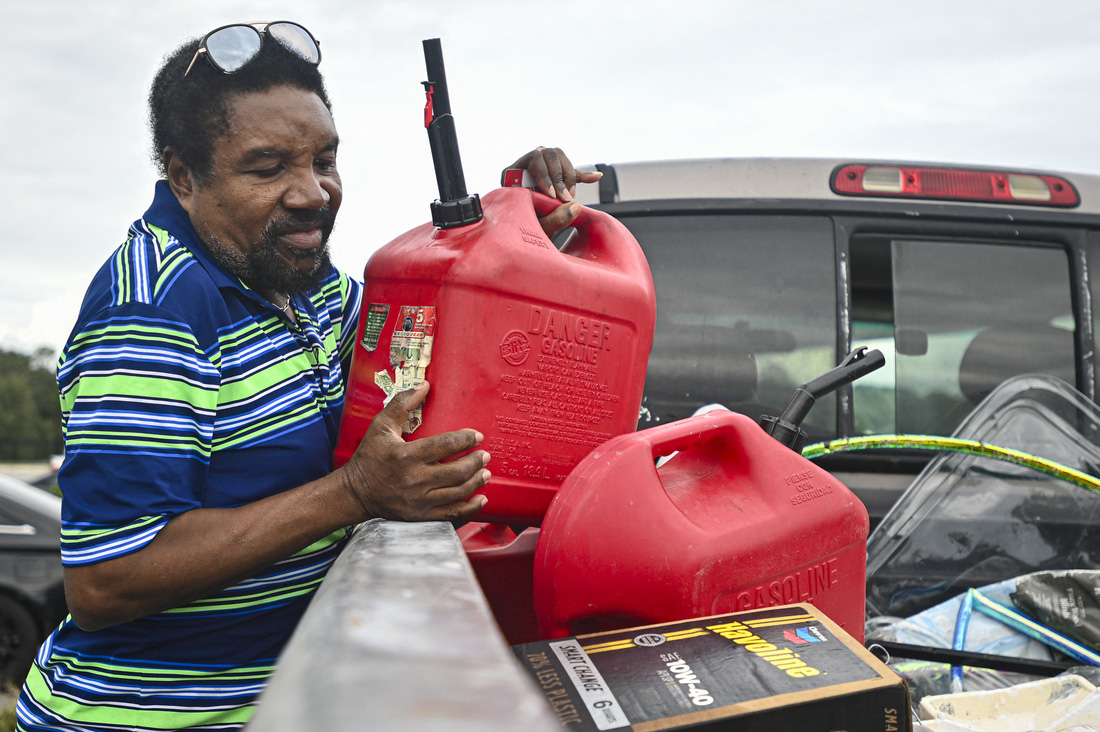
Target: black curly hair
187	113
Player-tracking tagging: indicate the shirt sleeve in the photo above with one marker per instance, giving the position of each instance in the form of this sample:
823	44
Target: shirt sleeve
139	398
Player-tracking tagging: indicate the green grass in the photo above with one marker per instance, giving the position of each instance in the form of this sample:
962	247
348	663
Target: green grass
7	718
9	692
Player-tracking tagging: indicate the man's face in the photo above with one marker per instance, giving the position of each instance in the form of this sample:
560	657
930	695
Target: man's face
267	210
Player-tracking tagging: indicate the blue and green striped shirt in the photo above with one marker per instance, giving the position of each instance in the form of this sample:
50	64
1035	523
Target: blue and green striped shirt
182	388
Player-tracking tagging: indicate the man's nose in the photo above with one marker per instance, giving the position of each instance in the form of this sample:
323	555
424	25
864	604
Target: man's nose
306	190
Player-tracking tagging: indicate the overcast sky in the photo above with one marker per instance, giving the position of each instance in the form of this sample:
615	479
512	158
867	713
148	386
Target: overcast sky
1000	82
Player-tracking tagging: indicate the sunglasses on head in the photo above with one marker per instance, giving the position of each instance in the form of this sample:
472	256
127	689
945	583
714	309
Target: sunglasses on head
230	47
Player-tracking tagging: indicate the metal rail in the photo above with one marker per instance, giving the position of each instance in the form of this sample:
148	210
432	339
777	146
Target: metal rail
400	637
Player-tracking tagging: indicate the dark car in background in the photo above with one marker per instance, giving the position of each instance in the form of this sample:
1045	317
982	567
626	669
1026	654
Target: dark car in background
768	271
32	594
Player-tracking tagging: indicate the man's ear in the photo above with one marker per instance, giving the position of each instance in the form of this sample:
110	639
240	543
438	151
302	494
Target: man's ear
180	178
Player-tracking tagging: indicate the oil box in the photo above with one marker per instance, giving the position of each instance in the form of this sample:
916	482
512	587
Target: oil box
781	668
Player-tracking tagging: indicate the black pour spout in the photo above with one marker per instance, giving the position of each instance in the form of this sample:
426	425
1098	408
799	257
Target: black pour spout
454	207
786	428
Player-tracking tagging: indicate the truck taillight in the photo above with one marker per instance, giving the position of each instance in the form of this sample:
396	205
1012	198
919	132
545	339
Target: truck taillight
954	184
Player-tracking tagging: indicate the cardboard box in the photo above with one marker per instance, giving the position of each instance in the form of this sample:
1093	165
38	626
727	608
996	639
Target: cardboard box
780	668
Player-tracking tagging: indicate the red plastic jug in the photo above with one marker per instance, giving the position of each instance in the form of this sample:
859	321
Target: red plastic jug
734	521
542	351
503	562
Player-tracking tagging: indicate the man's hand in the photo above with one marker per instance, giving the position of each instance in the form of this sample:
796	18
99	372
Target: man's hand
394	479
556	177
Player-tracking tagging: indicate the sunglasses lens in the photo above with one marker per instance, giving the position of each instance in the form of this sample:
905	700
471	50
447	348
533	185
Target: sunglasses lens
297	39
231	48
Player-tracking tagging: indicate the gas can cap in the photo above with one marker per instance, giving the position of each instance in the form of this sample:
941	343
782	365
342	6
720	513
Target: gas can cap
459	212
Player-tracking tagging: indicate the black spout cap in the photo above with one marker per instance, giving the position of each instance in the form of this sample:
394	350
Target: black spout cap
786	433
786	428
452	214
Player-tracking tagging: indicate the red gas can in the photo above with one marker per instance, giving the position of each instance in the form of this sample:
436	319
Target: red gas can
542	351
735	521
503	562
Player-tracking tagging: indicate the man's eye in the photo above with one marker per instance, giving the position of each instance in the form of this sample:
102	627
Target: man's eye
328	166
267	172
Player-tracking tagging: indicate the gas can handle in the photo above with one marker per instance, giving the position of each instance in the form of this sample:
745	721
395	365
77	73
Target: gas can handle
735	431
600	237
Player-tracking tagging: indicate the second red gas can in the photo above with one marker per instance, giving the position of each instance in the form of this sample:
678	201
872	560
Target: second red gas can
542	350
734	521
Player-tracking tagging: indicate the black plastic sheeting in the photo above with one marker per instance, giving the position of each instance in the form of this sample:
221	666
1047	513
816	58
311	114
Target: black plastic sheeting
968	521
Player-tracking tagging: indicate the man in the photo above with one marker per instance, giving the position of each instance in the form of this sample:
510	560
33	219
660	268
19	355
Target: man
201	391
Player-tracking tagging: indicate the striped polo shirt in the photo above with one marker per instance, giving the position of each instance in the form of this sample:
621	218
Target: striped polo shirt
182	388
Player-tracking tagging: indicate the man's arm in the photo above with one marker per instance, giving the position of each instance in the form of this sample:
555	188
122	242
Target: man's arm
205	550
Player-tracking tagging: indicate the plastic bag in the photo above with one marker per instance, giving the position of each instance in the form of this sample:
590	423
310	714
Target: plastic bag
1068	602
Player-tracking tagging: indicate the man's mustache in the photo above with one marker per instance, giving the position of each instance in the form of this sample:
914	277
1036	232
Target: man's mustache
301	220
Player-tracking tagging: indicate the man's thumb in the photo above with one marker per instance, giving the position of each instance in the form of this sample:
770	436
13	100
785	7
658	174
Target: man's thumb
411	398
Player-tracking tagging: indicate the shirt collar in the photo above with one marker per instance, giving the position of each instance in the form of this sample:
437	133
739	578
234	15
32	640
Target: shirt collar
166	213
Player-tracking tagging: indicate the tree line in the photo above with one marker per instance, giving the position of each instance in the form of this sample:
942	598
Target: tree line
30	413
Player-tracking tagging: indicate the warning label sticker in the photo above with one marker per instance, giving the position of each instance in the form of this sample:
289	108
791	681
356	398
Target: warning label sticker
372	329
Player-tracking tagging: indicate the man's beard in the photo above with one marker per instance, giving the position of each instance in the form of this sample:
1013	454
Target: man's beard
265	268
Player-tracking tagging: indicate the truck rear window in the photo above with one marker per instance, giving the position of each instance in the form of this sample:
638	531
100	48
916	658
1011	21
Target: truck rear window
954	319
746	311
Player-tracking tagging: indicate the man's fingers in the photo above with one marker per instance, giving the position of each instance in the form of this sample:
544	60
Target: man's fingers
451	502
460	490
554	173
439	447
549	167
396	413
412	398
457	473
541	164
462	510
459	503
560	173
559	218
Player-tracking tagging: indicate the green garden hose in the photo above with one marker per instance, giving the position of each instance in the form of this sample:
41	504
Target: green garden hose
953	444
